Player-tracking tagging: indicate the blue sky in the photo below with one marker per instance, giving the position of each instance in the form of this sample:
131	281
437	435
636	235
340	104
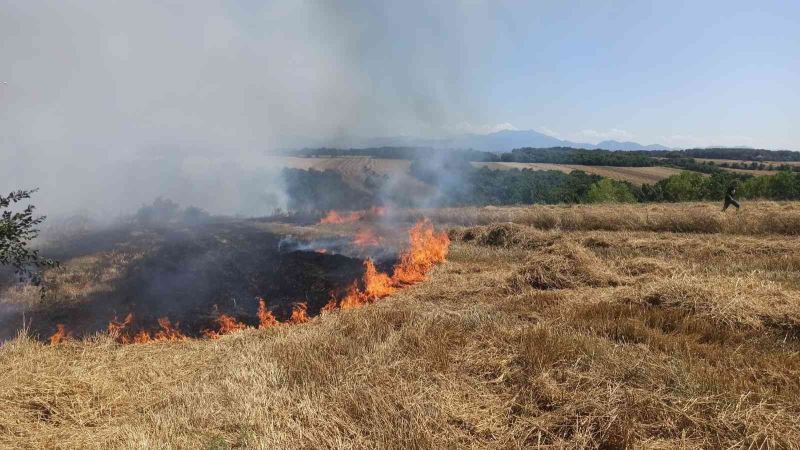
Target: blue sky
676	73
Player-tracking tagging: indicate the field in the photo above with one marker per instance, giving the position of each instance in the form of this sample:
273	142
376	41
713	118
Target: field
748	171
731	161
354	166
634	175
647	326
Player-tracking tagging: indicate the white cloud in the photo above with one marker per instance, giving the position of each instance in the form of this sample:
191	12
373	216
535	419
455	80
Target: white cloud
549	132
686	141
614	133
466	127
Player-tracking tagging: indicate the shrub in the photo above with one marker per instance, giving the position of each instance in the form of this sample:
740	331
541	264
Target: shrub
608	190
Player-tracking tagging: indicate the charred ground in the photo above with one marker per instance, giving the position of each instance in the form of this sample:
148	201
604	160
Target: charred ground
189	274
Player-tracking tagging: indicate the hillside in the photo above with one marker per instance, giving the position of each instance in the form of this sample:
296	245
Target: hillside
633	175
648	326
498	141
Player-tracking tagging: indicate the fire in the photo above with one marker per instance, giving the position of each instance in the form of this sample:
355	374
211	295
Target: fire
119	331
265	317
335	217
376	285
227	324
60	335
168	332
366	237
299	314
116	329
330	306
427	249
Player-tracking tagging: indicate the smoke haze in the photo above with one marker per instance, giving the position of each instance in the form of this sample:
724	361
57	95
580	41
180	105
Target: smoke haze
107	105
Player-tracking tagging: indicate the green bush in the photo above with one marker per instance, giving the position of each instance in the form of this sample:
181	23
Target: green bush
610	191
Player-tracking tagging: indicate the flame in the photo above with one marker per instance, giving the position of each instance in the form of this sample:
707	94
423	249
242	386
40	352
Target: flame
60	335
299	314
141	337
321	250
168	332
330	306
116	329
265	317
227	324
376	285
427	249
335	217
366	237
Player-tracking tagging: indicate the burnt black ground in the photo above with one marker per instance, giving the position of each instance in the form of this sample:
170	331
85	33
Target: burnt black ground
189	273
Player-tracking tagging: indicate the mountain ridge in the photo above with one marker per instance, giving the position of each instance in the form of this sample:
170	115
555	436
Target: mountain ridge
499	141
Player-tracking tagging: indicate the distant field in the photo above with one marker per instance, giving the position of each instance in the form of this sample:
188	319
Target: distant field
729	161
355	166
635	175
747	171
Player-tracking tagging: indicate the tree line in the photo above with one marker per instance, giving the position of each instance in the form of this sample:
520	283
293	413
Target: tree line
460	184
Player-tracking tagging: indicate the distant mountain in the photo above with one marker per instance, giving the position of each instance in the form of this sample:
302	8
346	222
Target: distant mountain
501	141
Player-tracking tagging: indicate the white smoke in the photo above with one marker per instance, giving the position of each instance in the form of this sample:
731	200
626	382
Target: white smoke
106	105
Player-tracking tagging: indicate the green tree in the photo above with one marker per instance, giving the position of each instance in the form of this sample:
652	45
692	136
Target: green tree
684	187
17	229
608	190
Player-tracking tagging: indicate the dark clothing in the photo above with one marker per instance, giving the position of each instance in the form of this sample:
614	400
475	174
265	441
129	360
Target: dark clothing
729	200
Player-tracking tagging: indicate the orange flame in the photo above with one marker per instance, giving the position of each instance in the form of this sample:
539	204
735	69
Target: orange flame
116	329
335	217
330	306
60	335
299	314
427	249
366	237
226	324
376	285
265	317
168	332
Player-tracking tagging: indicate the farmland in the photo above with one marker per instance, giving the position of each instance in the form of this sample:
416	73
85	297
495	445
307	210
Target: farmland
649	326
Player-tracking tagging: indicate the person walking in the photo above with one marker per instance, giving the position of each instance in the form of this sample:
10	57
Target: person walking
729	199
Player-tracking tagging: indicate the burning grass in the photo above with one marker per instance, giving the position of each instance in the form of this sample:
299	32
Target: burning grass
651	340
426	248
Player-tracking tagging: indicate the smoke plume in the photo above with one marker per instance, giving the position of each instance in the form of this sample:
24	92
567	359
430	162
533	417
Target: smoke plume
107	105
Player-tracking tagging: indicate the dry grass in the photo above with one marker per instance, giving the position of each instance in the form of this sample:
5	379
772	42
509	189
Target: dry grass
652	339
755	218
